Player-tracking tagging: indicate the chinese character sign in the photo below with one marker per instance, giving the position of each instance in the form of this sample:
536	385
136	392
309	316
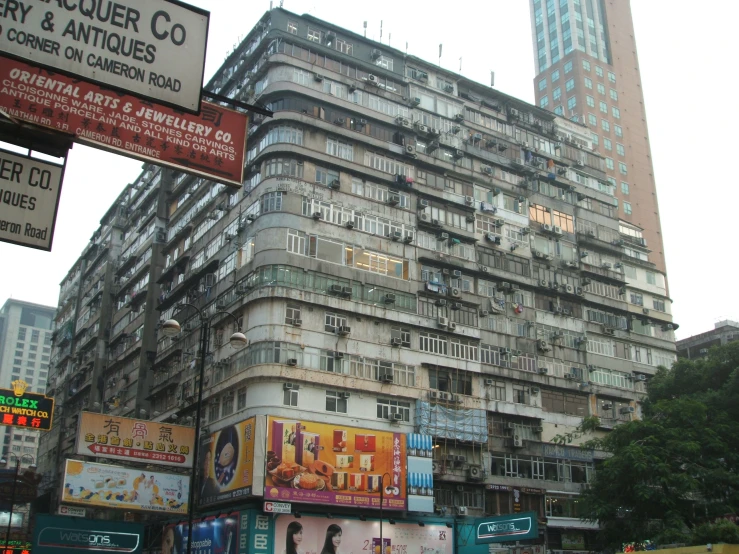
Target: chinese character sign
320	463
126	488
25	409
122	438
227	463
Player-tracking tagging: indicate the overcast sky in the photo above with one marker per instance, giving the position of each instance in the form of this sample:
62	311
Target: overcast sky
686	63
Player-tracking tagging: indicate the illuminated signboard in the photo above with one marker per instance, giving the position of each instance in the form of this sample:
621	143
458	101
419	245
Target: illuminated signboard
25	409
55	534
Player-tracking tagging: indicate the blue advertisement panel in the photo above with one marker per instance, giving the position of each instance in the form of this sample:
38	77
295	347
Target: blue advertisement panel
55	534
508	528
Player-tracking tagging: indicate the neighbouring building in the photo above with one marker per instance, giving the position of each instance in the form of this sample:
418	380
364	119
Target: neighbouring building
411	252
587	70
697	346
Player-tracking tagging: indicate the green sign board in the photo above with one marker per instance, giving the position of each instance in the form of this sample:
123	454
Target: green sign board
25	409
55	533
513	527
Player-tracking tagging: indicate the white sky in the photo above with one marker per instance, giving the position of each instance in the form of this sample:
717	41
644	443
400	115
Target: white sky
686	68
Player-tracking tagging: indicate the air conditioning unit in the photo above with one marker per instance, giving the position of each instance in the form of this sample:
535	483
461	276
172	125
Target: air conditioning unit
161	236
484	313
335	289
459	154
221	303
607	406
346	291
474	473
543	346
640	377
461	510
425	218
487	170
317	215
443	236
569	376
452	326
345	395
373	80
645	310
396	235
569	289
543	370
396	417
344	330
517	441
318	77
389	298
423	129
335	184
455	292
293	362
627	410
609	331
433	395
349	224
443	321
396	341
571	264
437	468
546	227
484	269
557	230
410	150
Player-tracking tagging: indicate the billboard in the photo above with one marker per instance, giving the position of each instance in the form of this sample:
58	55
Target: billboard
29	200
151	48
321	463
227	463
332	536
211	144
52	534
107	486
514	527
25	409
220	535
122	438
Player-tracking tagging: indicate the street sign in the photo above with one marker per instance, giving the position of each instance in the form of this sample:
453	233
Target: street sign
154	49
278	507
29	200
72	511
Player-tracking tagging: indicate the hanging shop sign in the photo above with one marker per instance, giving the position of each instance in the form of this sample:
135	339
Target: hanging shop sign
107	486
25	409
506	528
211	144
321	463
122	438
53	534
151	48
29	200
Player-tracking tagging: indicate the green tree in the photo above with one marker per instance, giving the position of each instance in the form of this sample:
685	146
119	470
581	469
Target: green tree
670	474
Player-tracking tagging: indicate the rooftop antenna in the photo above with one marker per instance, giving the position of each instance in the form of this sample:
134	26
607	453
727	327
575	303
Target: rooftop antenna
492	78
381	31
406	47
440	47
365	29
460	64
389	36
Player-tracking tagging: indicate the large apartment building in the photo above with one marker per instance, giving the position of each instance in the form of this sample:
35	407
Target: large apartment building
587	70
410	251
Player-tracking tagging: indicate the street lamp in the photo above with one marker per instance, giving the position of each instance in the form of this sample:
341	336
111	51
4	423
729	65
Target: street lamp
389	490
31	468
171	328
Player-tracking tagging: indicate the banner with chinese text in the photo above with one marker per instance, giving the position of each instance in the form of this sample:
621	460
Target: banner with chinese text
321	463
122	438
126	488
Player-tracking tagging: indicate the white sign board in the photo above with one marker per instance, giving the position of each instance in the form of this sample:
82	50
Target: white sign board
29	198
150	48
278	507
72	511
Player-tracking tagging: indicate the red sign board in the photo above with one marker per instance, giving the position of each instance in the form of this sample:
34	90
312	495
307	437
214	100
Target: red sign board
212	144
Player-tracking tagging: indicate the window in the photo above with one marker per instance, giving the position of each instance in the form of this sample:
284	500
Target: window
34	336
241	398
624	188
544	102
599	71
612	77
384	61
601	89
343	150
344	47
559	110
613	93
617	129
571	103
590	101
402	333
609	163
386	408
336	402
637	298
271	202
616	112
19	353
605	125
314	35
22	333
556	94
620	149
588	83
607	144
333	321
569	84
555	75
228	404
433	343
292	27
292	313
496	391
586	65
603	107
542	84
592	119
568	67
290	397
651	278
622	168
627	208
539	214
214	410
658	305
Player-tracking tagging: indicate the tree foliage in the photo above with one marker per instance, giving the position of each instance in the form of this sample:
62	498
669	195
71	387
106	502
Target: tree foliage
668	476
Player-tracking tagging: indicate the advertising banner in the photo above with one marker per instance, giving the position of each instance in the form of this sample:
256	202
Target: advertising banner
221	535
227	463
322	463
52	534
29	200
151	48
211	144
25	409
506	528
126	488
313	535
122	438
